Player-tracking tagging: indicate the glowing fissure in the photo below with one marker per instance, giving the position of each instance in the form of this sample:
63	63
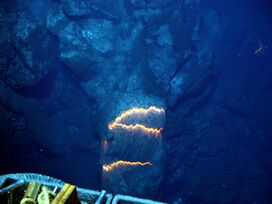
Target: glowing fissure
135	127
122	163
136	111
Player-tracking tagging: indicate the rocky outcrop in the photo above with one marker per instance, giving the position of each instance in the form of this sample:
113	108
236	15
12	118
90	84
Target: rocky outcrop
68	68
28	50
119	57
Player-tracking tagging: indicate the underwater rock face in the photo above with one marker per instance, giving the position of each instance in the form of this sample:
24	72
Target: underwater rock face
68	68
30	52
83	45
113	52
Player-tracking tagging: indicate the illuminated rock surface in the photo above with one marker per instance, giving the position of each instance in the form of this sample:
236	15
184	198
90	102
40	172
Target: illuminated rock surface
136	148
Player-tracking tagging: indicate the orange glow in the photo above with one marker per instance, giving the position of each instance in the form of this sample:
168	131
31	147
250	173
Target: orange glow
133	111
118	121
135	127
105	142
109	167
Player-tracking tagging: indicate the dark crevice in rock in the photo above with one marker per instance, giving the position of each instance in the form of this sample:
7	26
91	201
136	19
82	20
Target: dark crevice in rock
208	82
75	80
95	13
42	89
22	59
207	97
54	36
181	64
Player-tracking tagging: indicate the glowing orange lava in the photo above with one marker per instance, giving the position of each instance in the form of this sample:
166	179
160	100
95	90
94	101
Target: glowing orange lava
136	127
109	167
142	111
105	142
118	121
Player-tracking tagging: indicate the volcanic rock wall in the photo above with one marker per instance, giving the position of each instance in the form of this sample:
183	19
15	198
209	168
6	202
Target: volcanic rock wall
68	68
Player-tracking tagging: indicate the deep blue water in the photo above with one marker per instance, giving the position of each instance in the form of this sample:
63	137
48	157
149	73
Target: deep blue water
68	68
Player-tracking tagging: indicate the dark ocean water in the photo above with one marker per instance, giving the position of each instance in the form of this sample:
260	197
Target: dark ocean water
69	68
